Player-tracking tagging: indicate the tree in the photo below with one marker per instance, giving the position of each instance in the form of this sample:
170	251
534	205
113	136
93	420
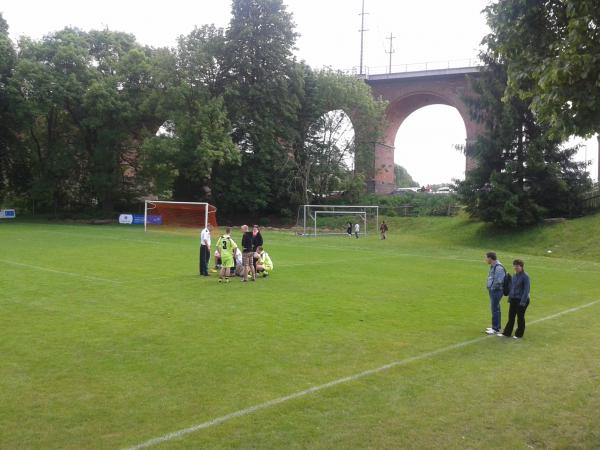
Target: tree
262	89
523	173
327	156
83	108
44	81
8	123
403	178
552	54
179	163
330	103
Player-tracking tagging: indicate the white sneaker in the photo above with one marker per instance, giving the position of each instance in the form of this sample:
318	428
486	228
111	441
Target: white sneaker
500	333
489	328
516	337
490	331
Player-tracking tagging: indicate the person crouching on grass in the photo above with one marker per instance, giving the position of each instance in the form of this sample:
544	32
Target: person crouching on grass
264	262
518	300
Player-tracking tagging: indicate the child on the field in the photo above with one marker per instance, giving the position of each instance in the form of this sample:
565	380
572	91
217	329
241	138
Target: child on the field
239	266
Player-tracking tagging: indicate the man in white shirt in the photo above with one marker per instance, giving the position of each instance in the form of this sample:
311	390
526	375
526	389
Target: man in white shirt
356	230
205	250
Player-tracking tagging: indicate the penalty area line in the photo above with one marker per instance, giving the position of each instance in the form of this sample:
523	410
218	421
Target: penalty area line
277	401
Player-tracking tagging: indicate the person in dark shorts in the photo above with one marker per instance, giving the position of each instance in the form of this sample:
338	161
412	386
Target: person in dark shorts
518	299
349	229
383	229
247	254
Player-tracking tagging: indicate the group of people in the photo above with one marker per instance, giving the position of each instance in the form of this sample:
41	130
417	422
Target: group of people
230	260
350	227
517	288
383	229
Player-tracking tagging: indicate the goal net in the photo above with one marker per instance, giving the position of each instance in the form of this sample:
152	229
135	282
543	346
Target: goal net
178	214
320	220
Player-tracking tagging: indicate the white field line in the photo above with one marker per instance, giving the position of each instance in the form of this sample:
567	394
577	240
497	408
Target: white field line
100	236
380	252
61	272
277	401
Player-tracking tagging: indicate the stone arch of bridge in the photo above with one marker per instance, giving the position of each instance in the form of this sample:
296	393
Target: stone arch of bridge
398	110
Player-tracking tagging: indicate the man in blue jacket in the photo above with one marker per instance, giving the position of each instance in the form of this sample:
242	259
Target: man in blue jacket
495	282
518	299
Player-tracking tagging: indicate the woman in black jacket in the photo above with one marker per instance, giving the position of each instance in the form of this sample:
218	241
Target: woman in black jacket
518	299
257	241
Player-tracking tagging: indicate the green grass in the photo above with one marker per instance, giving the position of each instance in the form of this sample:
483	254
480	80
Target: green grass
108	338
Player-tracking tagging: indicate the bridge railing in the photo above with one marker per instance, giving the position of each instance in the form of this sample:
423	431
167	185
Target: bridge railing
415	67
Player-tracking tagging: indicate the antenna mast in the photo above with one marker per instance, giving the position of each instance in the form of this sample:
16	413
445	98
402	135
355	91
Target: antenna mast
362	35
391	39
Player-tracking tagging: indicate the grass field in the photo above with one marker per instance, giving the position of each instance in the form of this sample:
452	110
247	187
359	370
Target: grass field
108	339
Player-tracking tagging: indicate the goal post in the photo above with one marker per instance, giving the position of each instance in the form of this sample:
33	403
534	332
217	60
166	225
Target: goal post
310	214
179	214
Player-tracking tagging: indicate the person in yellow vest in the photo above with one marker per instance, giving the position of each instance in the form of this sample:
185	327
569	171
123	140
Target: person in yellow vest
264	264
226	247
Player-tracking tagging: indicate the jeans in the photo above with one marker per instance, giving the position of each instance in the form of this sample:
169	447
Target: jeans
495	297
519	311
204	258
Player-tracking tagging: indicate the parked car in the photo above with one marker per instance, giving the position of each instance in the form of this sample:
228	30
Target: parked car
444	190
403	190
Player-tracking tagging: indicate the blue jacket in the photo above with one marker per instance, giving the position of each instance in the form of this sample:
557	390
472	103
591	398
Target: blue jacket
520	287
496	277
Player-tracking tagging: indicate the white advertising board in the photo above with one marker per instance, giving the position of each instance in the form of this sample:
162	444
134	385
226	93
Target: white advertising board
8	214
126	219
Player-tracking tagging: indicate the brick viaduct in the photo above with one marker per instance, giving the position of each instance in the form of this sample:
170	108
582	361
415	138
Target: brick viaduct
408	92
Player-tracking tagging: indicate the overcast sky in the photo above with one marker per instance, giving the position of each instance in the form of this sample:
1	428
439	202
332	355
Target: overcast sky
424	30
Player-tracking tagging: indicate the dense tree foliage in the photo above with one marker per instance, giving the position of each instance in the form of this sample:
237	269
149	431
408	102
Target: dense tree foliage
9	161
196	132
94	119
523	173
551	50
403	178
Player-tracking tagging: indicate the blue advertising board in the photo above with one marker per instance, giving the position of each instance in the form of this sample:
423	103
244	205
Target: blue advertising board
153	219
7	214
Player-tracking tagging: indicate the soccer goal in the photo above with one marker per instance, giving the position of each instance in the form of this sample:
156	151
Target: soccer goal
179	214
320	220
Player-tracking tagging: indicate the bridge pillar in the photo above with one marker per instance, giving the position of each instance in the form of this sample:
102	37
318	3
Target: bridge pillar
385	177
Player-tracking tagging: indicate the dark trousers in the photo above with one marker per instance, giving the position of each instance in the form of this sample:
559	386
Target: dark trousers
519	311
204	258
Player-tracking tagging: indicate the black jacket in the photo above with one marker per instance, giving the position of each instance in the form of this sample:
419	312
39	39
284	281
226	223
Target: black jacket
257	241
247	242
